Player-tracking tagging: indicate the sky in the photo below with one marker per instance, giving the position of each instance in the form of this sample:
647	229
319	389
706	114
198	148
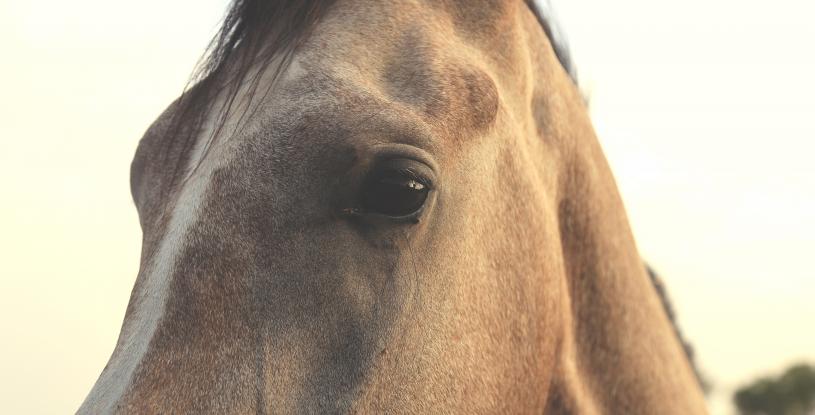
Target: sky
704	108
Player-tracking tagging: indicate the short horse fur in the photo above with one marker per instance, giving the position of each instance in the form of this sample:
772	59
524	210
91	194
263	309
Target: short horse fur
271	281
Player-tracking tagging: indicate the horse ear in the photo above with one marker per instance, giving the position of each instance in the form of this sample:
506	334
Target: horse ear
137	168
143	171
155	155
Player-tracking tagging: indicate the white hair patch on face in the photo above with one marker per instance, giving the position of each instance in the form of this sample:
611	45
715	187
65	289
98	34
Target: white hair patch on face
155	290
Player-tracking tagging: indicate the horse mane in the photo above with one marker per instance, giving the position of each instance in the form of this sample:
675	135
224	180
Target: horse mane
548	20
662	292
253	34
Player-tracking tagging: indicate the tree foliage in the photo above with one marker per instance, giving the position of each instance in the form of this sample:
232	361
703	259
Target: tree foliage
792	393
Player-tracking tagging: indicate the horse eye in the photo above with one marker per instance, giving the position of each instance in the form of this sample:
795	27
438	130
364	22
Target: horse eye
394	192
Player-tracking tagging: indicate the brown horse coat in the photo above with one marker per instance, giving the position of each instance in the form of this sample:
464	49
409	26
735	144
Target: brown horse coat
272	282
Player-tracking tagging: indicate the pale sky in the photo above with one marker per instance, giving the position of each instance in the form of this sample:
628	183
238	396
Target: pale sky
705	109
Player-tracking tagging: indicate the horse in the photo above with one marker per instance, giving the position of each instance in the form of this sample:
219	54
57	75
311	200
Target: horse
361	206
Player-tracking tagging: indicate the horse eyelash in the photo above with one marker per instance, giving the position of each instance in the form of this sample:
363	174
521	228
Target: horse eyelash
413	175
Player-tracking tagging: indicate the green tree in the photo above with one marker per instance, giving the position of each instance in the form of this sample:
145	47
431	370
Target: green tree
793	393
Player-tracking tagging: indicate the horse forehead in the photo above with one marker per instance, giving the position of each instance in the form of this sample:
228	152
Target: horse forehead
424	74
413	75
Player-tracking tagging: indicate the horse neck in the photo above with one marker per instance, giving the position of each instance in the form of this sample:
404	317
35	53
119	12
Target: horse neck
620	353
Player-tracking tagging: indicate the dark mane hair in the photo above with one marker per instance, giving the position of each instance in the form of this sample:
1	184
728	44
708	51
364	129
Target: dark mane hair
546	16
662	292
253	35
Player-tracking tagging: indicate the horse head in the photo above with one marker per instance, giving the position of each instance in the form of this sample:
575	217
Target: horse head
388	207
